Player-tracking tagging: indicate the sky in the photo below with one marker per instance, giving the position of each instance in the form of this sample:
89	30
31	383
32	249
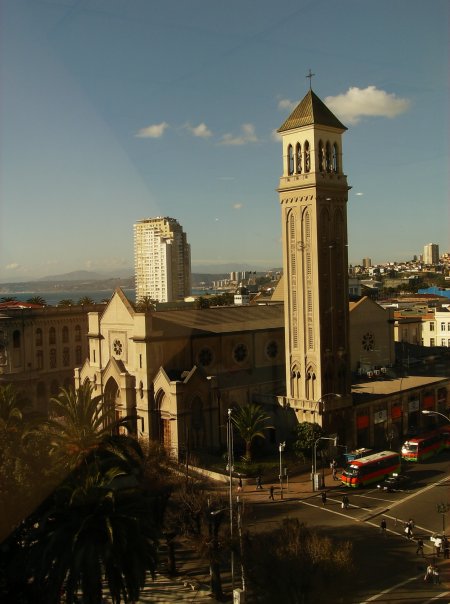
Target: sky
112	111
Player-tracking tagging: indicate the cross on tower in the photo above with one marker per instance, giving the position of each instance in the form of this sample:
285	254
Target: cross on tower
310	76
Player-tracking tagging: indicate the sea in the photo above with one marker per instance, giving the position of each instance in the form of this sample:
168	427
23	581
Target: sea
53	298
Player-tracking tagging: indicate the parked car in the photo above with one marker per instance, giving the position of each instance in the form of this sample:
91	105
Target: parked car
395	482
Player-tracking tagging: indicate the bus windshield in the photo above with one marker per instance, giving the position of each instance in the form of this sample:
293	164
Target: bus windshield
351	471
410	447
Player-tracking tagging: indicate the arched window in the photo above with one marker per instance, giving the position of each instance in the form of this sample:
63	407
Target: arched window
328	157
39	359
38	336
16	339
298	158
307	157
52	335
52	358
290	160
335	159
65	334
321	156
78	355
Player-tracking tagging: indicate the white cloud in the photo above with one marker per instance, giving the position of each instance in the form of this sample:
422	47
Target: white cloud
153	131
238	206
359	194
276	136
286	104
201	131
12	267
247	136
359	102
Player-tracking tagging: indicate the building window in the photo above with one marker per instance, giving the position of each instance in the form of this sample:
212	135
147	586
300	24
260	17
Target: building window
431	326
78	355
335	159
39	360
65	334
66	357
16	339
52	358
52	335
432	342
290	160
442	326
272	349
443	342
298	158
321	157
240	353
307	157
38	336
77	333
205	357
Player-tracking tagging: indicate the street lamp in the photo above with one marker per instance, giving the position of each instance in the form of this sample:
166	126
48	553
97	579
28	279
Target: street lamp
443	508
230	475
281	448
321	399
315	455
429	412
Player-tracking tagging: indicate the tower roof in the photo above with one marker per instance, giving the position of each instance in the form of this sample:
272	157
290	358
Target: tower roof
311	110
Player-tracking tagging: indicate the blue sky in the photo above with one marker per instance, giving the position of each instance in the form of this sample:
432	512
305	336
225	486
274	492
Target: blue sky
112	111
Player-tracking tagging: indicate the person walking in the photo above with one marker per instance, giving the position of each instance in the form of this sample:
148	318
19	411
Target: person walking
345	502
258	483
445	546
437	546
324	498
419	549
429	574
383	526
335	474
271	493
436	578
239	484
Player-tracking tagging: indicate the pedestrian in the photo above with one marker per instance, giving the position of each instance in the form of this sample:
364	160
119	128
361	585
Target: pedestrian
437	546
239	484
335	474
345	502
324	498
258	483
445	546
429	573
408	530
419	549
436	578
383	526
271	493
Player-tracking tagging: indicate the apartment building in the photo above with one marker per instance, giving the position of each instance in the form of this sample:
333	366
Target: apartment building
431	253
162	259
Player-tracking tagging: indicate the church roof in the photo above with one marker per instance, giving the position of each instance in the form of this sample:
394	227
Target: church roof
311	110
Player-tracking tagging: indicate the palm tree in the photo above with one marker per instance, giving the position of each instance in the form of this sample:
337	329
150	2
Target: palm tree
8	299
91	533
79	424
37	300
146	303
85	301
66	302
250	422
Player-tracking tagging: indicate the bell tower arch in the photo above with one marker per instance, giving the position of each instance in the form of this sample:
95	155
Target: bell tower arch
313	195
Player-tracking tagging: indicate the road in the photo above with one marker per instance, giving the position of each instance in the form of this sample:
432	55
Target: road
388	569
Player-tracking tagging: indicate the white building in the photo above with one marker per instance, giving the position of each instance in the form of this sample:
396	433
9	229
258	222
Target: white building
431	253
162	260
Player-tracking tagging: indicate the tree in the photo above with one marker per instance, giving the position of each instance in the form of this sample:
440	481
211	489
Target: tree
80	423
145	304
11	408
250	421
306	434
296	565
85	301
93	531
37	300
8	299
66	302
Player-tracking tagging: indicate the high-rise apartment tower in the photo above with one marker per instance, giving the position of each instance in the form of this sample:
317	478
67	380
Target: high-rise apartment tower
431	253
162	260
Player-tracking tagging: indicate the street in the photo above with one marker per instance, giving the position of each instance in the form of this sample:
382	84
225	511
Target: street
388	569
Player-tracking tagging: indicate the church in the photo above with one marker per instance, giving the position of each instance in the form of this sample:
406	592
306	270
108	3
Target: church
313	356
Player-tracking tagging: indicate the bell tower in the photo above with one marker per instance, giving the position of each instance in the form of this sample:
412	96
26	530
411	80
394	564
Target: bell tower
313	195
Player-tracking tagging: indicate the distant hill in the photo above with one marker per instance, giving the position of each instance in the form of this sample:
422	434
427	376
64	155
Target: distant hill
90	275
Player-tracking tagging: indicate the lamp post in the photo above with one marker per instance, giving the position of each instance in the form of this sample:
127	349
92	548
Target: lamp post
281	448
317	403
429	412
443	508
315	454
230	476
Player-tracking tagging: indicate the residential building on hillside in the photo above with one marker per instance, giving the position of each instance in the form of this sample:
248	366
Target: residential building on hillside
162	259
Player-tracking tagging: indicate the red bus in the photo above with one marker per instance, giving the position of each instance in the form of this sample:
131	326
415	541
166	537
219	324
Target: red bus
423	447
445	432
372	468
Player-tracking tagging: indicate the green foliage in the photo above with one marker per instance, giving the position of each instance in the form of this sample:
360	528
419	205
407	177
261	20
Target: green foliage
225	299
66	302
146	304
85	301
306	434
37	300
250	421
